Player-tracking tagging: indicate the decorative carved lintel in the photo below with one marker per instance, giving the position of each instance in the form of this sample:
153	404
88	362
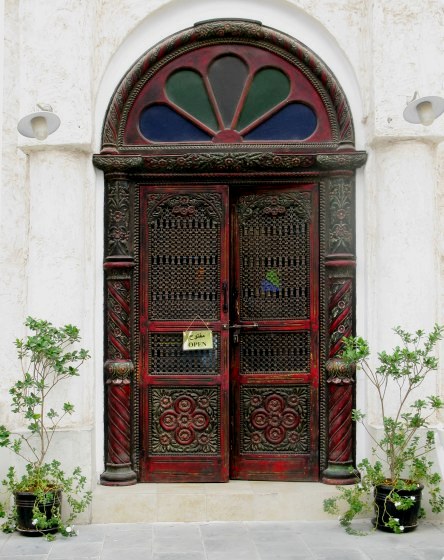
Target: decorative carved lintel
117	163
345	161
229	161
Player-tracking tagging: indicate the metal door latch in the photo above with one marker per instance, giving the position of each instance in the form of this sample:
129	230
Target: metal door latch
238	327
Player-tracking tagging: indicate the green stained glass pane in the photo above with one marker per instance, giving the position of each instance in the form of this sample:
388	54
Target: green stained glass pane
269	87
186	89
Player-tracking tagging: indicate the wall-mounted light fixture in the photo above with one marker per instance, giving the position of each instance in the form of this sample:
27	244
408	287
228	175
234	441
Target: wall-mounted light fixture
423	110
39	124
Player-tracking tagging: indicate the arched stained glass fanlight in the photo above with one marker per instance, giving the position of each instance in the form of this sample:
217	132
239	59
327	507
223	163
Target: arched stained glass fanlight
242	95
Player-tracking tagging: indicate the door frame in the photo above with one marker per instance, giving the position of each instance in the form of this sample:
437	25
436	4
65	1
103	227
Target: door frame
332	164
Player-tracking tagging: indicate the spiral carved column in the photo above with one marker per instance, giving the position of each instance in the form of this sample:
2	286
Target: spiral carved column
118	367
340	273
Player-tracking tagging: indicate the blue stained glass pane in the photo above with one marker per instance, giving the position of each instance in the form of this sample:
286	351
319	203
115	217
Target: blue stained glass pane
293	122
159	123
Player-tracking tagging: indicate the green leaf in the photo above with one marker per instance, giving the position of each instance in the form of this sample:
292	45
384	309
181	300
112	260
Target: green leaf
68	407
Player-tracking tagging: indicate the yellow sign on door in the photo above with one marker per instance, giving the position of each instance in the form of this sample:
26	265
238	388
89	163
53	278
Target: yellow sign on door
197	340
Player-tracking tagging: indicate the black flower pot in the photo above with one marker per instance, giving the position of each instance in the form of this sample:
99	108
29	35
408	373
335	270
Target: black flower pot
385	508
24	503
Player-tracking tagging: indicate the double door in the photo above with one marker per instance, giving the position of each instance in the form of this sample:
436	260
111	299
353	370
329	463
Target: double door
240	265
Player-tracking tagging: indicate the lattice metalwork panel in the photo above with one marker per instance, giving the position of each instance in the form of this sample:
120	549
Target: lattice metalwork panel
167	357
277	352
184	420
275	419
185	240
275	257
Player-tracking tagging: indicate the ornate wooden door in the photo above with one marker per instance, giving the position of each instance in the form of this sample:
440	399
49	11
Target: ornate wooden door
275	334
273	326
184	287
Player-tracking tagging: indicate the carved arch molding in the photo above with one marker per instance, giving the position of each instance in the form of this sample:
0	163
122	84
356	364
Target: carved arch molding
331	163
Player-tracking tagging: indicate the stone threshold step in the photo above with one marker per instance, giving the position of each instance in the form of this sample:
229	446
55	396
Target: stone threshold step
236	500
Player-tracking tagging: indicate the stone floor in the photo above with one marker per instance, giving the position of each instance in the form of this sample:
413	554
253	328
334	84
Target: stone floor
253	540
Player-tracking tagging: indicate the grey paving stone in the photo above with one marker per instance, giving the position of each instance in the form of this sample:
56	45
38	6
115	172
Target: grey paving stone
282	549
112	528
70	549
32	557
284	555
19	545
176	530
178	556
227	541
273	536
239	549
177	545
340	554
128	540
90	533
434	553
72	558
392	553
232	544
223	530
292	527
230	555
132	554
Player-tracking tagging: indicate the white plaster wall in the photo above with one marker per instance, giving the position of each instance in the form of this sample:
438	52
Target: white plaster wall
73	53
56	65
407	53
401	269
47	254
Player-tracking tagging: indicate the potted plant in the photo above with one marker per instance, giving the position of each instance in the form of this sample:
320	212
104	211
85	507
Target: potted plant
47	358
392	479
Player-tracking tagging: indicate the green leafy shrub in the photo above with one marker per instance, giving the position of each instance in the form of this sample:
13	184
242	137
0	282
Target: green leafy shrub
401	456
47	358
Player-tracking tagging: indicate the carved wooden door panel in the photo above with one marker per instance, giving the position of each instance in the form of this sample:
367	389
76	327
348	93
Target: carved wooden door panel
275	334
184	286
248	273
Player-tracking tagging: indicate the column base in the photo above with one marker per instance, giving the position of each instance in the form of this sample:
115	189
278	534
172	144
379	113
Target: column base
339	474
118	475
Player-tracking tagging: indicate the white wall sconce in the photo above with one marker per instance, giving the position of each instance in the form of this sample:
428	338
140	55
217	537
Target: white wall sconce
423	110
39	124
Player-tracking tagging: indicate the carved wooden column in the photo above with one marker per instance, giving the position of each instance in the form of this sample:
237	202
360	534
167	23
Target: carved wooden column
119	368
340	273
